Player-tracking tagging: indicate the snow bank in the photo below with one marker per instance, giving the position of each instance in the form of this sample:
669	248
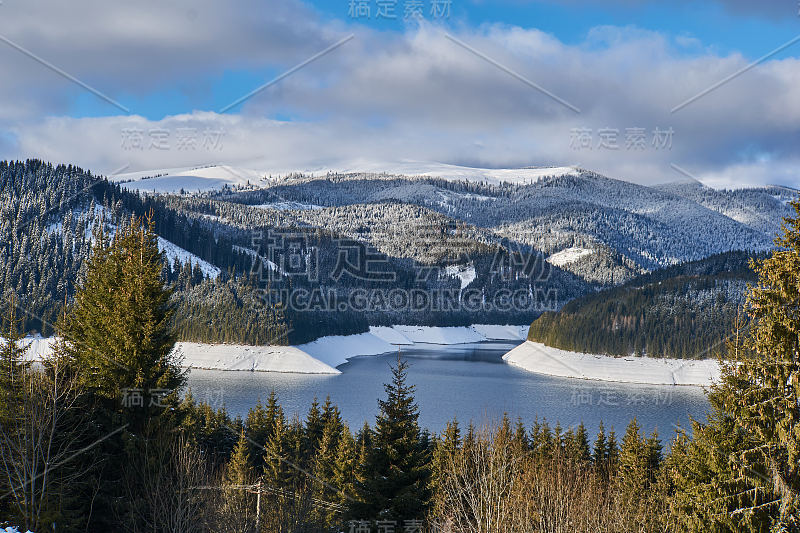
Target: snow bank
323	355
335	350
569	255
502	333
390	335
439	335
541	359
220	357
242	357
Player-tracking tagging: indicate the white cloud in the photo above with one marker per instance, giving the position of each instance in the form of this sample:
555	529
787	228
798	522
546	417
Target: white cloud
387	96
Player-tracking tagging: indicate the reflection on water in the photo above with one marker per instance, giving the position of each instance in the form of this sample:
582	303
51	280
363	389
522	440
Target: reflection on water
470	382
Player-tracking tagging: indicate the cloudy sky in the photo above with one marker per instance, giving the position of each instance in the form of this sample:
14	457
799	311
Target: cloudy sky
643	90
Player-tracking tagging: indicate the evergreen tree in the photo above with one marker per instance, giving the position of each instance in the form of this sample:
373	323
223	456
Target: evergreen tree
117	332
741	471
239	502
397	472
12	368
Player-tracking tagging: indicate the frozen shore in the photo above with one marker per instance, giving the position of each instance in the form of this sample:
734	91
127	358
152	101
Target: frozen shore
541	359
323	355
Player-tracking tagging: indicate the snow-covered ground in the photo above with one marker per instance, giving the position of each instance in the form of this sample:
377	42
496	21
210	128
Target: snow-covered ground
173	180
321	356
568	255
173	250
456	172
541	359
210	178
464	273
253	358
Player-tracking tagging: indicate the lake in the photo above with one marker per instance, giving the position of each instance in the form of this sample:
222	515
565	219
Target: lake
470	382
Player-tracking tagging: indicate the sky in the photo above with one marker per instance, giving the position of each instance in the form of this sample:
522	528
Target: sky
642	90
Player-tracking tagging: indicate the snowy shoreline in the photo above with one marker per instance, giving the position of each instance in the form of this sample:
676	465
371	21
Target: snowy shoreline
325	354
540	359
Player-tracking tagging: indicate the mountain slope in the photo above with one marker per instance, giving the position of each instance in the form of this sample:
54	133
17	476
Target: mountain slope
685	311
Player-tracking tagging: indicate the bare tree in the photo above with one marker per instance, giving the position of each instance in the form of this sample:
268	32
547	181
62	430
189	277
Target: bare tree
38	452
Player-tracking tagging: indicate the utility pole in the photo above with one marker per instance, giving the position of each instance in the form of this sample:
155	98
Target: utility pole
258	507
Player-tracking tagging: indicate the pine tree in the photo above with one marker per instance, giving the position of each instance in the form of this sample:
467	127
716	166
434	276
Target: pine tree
239	502
397	471
581	450
746	458
117	332
12	369
600	454
314	428
633	460
260	423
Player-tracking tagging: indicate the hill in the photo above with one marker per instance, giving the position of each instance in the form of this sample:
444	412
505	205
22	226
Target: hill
685	311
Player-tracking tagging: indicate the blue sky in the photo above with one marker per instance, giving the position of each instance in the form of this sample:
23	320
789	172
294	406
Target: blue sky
700	28
484	84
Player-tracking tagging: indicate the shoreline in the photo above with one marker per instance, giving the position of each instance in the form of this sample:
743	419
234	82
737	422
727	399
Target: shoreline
537	358
322	356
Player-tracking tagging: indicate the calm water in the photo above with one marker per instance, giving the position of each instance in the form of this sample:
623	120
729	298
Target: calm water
470	382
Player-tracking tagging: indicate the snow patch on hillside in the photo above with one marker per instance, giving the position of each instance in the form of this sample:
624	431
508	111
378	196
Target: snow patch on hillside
538	358
192	180
289	206
464	273
569	255
459	173
172	251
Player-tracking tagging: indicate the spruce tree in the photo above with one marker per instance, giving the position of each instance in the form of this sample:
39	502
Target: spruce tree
746	458
12	368
397	467
117	332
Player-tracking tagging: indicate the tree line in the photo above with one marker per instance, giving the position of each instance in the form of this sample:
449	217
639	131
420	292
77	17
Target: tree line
99	436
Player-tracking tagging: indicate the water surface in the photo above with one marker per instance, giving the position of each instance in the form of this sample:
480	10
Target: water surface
470	382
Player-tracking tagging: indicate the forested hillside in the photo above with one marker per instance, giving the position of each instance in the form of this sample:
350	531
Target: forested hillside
685	311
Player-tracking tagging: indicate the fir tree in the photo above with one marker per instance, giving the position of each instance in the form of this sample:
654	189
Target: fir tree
117	332
12	369
396	482
741	471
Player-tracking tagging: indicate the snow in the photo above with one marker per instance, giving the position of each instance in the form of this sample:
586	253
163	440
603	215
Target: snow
502	333
465	273
541	359
569	255
12	529
253	358
390	335
439	335
335	350
252	253
456	172
215	177
173	180
289	206
172	251
323	355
